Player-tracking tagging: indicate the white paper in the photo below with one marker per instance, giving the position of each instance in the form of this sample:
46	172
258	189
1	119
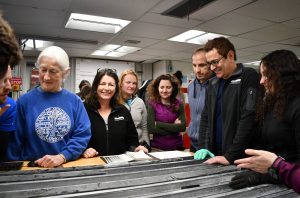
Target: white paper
170	154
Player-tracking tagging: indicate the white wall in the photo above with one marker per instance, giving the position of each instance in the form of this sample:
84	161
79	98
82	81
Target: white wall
161	67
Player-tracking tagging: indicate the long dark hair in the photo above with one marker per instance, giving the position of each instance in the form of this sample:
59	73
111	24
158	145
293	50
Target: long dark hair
92	99
282	69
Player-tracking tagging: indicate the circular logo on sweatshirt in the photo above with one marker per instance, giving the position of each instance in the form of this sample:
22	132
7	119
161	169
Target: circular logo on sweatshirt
52	124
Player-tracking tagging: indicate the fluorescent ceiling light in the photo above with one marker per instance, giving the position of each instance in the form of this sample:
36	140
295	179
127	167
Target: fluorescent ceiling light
114	50
201	40
33	43
195	37
100	53
95	23
116	54
183	37
127	49
109	47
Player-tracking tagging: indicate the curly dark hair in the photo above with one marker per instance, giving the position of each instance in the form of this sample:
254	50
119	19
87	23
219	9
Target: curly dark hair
153	93
92	98
282	68
222	45
10	53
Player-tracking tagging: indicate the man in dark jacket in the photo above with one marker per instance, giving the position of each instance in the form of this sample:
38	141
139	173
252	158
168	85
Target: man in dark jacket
227	120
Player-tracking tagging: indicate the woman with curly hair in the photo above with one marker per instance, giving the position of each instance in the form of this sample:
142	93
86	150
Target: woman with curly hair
166	117
278	114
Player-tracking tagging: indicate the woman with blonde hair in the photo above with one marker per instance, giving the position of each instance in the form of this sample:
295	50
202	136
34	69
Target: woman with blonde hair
128	88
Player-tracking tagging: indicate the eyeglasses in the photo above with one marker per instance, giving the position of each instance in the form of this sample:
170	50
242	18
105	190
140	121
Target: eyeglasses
109	70
215	62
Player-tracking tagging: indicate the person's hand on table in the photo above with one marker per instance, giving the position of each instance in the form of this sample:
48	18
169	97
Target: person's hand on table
139	148
50	161
90	152
217	160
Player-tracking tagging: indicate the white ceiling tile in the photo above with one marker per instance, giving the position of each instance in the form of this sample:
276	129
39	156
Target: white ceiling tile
295	23
293	41
154	52
33	16
272	33
124	9
150	30
121	38
240	43
233	24
46	19
138	57
218	8
173	46
272	10
267	48
53	4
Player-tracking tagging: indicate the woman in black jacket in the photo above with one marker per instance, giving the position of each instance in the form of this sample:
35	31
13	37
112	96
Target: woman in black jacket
113	130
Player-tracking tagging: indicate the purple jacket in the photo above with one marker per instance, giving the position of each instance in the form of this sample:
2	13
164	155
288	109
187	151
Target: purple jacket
290	174
166	134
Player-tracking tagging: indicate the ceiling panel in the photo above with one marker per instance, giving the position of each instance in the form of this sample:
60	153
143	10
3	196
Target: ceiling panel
150	30
295	23
272	10
251	20
233	24
173	46
154	52
53	4
218	8
124	9
240	43
121	38
267	47
272	33
34	16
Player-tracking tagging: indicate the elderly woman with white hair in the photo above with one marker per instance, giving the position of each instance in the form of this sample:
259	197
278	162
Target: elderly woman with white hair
52	125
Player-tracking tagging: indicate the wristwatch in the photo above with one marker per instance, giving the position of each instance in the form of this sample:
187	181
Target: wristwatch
273	170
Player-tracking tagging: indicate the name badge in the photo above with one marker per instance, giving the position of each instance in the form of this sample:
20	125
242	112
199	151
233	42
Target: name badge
237	81
119	118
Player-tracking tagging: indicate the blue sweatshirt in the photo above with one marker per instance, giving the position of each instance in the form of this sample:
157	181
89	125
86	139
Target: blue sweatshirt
7	119
49	123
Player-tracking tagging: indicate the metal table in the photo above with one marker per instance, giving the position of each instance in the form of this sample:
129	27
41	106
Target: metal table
165	178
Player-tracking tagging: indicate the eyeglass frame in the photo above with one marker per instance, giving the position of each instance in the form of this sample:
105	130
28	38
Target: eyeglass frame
214	62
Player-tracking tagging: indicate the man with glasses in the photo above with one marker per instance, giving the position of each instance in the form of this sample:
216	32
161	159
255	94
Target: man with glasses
196	95
227	122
